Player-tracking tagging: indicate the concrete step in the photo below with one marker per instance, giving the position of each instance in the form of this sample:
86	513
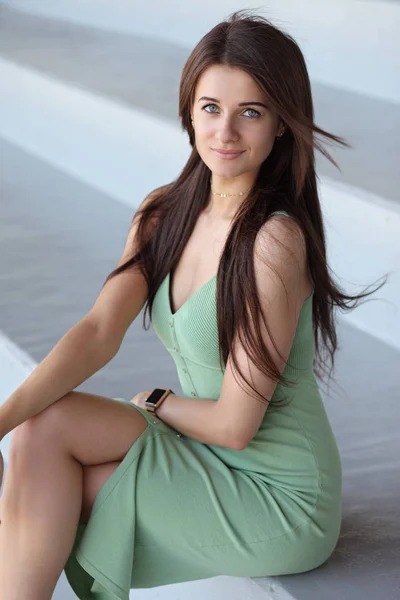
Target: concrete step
129	67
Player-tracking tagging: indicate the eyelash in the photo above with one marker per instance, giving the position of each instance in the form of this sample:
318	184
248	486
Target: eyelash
252	109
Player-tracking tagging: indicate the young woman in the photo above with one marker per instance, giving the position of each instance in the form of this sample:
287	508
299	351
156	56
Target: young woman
240	475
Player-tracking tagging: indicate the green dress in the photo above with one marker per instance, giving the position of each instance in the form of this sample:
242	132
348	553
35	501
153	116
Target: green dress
178	510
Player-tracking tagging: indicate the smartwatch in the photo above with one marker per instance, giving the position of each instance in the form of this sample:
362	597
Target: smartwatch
155	399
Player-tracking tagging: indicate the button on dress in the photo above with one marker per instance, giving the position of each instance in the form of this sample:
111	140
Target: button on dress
179	510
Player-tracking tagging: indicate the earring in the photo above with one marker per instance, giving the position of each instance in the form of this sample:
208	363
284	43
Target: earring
278	137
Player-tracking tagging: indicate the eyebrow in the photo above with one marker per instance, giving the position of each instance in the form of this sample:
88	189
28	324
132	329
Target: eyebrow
241	103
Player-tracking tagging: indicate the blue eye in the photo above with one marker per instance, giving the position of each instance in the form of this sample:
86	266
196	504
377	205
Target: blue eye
255	116
207	105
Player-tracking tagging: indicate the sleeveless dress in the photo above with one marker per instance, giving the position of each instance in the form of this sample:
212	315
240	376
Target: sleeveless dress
179	510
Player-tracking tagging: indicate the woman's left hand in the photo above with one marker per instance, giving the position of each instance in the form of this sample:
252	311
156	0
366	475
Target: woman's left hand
140	399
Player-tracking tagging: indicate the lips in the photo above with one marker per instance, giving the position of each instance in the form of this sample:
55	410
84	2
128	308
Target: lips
227	154
221	151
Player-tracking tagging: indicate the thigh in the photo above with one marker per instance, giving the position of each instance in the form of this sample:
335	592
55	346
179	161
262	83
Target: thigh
94	477
93	429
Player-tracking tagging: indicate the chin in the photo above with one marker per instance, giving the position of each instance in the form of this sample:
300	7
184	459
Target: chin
226	174
228	171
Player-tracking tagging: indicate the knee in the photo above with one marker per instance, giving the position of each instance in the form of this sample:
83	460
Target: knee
22	444
37	432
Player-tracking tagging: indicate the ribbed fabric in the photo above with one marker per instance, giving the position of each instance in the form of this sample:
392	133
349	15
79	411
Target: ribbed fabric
178	510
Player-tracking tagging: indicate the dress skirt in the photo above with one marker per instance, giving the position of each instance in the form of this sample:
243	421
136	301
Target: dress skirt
174	511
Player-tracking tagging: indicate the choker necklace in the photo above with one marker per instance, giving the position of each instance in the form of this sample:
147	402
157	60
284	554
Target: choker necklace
226	195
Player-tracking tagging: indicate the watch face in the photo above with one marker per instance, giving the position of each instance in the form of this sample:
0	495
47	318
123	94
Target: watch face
155	396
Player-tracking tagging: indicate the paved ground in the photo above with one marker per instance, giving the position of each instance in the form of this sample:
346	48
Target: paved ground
59	239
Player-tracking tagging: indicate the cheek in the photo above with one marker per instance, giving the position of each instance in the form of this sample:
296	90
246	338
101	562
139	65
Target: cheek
204	139
259	144
204	131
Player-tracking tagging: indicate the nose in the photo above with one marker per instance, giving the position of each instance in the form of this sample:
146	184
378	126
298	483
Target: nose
226	131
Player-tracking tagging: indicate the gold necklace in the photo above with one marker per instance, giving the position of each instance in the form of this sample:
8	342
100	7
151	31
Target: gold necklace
226	195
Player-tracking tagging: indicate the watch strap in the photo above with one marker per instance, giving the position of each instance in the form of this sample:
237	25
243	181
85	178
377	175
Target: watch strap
153	407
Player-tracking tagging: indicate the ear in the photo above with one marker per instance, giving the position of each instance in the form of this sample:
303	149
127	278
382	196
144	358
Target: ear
281	130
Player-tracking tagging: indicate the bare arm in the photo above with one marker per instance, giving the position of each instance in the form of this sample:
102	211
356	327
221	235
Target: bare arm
80	353
282	280
197	418
85	348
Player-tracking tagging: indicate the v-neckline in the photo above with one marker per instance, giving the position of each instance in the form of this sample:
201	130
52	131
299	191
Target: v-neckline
169	298
173	314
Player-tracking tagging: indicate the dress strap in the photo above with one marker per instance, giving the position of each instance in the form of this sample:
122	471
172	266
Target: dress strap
281	212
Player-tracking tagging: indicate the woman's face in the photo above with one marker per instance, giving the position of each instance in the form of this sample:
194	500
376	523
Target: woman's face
226	116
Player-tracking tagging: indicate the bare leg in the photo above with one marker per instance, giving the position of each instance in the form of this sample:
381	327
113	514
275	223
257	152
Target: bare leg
1	468
42	499
35	543
1	477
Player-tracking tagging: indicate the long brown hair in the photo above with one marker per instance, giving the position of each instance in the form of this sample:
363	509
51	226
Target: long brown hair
286	181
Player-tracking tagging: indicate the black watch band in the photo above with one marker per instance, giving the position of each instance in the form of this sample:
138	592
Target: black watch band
156	397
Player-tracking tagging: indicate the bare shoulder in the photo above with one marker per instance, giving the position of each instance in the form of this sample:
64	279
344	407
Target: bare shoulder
281	248
132	245
123	296
282	238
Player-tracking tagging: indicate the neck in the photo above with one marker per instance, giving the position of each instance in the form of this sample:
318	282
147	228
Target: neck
223	209
226	195
232	185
